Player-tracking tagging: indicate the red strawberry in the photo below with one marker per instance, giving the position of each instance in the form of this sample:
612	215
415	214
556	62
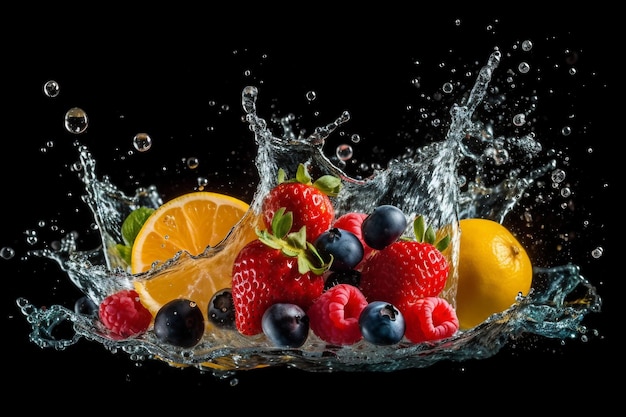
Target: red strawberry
276	268
308	201
352	223
406	269
334	316
429	318
123	314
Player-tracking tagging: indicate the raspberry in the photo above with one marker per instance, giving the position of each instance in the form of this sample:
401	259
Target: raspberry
123	314
334	316
429	318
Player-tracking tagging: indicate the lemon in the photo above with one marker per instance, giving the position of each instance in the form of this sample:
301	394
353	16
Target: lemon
493	269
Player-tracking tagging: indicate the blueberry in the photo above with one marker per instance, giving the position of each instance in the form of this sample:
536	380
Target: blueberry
86	306
285	325
348	276
221	309
179	322
345	248
381	323
383	226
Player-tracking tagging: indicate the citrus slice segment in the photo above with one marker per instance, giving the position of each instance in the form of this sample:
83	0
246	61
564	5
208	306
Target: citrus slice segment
190	222
187	225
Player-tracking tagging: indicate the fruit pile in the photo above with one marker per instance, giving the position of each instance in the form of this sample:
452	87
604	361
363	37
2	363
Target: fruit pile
345	279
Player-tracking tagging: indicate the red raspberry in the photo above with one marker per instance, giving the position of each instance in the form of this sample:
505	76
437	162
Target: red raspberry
123	314
429	318
334	316
352	223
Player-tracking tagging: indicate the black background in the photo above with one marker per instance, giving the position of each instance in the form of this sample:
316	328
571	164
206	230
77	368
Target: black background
161	76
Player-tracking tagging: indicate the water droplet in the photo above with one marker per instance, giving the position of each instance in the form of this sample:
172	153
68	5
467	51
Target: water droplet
355	138
142	142
192	162
51	88
344	152
597	252
7	252
519	119
558	175
311	95
527	45
76	120
523	67
447	88
566	131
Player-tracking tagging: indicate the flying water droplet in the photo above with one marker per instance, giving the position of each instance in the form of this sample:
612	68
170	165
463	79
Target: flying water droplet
51	88
76	120
142	142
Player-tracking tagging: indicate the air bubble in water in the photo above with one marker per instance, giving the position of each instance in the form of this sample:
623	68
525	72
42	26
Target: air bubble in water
558	175
523	67
51	88
597	252
192	162
448	88
527	45
7	252
311	95
344	152
566	131
142	142
355	138
76	120
519	119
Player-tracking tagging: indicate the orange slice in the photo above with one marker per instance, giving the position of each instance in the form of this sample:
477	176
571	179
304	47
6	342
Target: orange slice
187	225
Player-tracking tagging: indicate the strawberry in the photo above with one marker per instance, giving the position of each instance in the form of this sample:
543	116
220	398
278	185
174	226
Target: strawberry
278	267
308	201
407	269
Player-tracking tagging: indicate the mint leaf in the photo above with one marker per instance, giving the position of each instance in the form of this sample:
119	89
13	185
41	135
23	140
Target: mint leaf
133	223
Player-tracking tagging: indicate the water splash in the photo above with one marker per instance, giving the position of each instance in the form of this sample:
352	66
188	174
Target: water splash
427	180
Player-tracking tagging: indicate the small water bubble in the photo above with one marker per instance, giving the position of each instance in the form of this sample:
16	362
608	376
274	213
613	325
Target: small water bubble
519	119
344	152
355	138
566	192
572	71
558	175
447	88
7	252
192	162
597	252
527	45
51	88
202	182
76	120
523	67
142	142
566	131
311	95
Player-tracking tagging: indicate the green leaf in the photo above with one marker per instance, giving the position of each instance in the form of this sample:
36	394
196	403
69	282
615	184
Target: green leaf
133	223
419	227
443	243
125	252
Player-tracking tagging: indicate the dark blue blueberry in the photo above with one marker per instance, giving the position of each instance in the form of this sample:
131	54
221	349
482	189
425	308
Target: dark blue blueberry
345	248
349	276
382	323
86	306
383	226
179	322
285	325
221	309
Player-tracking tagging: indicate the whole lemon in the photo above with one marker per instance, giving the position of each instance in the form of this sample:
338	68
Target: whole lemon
493	268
